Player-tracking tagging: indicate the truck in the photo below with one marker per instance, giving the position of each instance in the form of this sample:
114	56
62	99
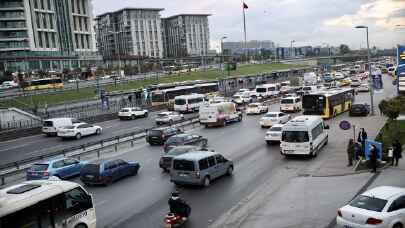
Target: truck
310	78
219	114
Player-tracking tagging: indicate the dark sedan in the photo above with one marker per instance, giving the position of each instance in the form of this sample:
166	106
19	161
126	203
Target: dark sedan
158	136
106	172
359	110
184	139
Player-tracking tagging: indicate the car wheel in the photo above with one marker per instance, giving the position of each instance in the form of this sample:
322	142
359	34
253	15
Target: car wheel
239	118
108	181
314	154
206	182
78	136
135	172
229	171
81	226
145	115
171	122
268	142
98	131
398	225
326	142
133	117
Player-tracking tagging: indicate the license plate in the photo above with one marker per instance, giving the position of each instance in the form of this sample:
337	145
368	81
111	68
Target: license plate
90	176
274	135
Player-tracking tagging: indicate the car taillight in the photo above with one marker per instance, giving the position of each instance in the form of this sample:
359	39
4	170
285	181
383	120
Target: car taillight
373	221
339	212
46	174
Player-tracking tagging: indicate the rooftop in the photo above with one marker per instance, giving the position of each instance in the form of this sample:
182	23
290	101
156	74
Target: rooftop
195	155
180	15
129	9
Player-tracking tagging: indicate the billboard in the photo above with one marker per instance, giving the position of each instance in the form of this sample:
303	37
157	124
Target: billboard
401	69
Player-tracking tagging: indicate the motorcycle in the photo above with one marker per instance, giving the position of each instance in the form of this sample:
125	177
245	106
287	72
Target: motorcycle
174	220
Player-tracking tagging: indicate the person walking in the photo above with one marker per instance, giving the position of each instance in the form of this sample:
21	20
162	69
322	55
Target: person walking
397	152
373	158
363	139
351	149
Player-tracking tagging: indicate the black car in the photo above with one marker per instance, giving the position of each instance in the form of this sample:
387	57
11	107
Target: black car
159	136
184	139
165	161
359	110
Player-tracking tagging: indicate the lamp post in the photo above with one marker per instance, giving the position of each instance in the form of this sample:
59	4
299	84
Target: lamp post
222	52
370	79
291	54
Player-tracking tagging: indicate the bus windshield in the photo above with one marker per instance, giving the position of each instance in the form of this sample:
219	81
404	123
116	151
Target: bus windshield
261	90
180	102
313	104
287	101
295	136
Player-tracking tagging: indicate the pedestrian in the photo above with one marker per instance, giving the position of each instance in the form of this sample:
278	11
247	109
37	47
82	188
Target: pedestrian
397	152
381	107
363	139
373	158
351	149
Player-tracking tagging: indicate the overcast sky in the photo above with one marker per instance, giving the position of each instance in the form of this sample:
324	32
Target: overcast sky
308	22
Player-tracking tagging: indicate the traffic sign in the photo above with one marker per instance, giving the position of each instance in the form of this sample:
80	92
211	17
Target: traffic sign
345	125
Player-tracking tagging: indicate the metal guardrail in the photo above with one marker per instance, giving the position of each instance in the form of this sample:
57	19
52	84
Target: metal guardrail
15	168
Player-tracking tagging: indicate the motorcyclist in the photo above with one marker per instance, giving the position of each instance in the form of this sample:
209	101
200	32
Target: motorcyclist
178	205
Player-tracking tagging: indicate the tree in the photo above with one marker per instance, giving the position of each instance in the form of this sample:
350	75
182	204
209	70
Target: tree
344	49
391	108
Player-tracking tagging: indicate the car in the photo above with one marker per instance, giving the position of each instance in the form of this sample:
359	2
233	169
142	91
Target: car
379	207
328	78
168	117
355	82
158	136
271	118
339	76
241	98
61	167
132	113
184	139
256	108
78	130
344	82
363	88
358	109
106	172
274	134
165	161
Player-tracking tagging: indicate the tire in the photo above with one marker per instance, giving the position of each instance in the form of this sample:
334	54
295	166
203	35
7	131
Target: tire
81	226
133	117
145	115
171	122
224	123
398	225
314	154
326	142
134	173
98	131
206	182
240	119
268	142
78	136
108	182
229	171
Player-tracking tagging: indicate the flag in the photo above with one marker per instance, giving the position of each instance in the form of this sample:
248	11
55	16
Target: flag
245	6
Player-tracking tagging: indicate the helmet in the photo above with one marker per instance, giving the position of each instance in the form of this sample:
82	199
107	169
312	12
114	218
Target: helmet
175	194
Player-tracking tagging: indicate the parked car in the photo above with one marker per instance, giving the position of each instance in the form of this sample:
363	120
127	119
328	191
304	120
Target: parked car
363	88
62	167
132	113
184	139
256	108
379	207
274	134
165	161
199	168
106	172
78	130
271	118
168	117
159	136
359	110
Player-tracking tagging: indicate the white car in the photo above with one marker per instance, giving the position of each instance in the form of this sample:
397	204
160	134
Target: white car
132	113
339	76
240	98
363	88
256	108
168	117
272	118
78	130
379	207
274	134
355	82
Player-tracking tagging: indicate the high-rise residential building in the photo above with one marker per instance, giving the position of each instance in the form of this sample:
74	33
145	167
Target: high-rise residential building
252	46
130	33
46	34
186	35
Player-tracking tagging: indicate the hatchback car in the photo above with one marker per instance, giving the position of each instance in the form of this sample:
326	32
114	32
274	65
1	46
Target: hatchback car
359	110
159	136
274	134
78	130
62	168
132	113
271	118
168	118
106	172
256	108
379	207
184	139
165	161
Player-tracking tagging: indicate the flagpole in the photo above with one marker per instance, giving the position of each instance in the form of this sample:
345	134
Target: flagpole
244	29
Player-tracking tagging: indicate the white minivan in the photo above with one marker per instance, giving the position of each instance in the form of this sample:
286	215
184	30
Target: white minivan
267	90
291	104
188	103
303	135
51	126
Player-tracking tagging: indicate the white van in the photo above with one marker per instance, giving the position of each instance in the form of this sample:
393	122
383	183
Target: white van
51	126
291	104
267	90
219	114
303	135
309	89
188	103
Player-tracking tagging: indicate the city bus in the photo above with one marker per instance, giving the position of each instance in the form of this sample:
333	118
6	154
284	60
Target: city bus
329	103
46	203
45	83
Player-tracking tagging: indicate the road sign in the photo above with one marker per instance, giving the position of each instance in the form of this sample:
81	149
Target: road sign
345	125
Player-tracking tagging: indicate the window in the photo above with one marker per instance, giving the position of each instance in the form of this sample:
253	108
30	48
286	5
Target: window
58	164
50	21
49	4
76	201
84	6
211	161
220	158
40	39
110	165
317	131
183	165
47	40
121	162
369	203
295	136
53	42
203	163
398	204
70	161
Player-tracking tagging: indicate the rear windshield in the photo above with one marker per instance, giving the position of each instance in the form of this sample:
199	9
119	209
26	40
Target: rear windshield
68	127
155	132
125	110
368	203
162	115
183	165
48	124
91	168
180	102
287	101
295	136
270	115
275	129
39	167
174	140
179	150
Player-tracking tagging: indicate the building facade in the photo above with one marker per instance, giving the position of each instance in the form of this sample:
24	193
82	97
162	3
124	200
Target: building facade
46	34
252	46
186	35
130	33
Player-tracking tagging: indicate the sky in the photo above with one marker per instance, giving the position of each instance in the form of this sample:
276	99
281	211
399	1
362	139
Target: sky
308	22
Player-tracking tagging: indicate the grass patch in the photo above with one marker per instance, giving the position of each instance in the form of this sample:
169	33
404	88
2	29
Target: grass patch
88	93
391	131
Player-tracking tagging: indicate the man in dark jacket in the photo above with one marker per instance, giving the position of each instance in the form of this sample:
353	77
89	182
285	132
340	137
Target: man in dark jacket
351	149
178	205
397	152
373	158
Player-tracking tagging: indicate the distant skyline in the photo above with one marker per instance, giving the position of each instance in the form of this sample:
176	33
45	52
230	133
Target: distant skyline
308	22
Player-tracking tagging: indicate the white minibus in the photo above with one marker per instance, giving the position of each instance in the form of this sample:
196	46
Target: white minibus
267	90
188	103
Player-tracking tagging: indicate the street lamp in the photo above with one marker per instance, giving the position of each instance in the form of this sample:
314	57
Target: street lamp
291	54
369	69
222	52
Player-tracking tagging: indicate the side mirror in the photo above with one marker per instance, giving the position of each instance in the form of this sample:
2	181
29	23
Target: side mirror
326	127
